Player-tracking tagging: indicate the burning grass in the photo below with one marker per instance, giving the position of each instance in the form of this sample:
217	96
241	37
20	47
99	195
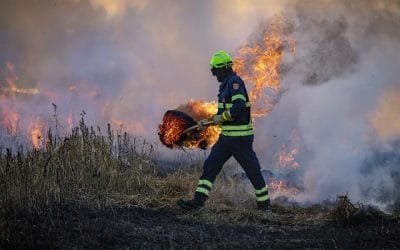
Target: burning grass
174	123
183	117
95	190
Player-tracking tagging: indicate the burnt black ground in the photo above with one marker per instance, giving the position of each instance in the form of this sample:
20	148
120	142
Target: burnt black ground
168	227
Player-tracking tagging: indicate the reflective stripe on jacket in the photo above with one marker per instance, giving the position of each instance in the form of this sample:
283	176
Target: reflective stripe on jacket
233	97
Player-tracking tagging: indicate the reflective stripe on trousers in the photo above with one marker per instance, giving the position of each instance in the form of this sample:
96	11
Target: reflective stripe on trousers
204	187
262	194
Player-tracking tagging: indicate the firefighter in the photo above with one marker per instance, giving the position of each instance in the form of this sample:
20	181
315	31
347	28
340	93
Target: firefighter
236	138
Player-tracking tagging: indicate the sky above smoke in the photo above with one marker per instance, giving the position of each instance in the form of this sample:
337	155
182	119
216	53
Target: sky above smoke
128	61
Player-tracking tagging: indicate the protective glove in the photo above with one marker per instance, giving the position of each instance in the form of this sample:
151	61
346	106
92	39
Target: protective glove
217	119
201	124
225	116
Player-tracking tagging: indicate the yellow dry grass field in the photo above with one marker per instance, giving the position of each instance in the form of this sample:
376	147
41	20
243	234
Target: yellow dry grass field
95	190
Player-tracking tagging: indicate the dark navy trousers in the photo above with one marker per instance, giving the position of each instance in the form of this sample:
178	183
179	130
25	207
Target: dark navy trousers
241	148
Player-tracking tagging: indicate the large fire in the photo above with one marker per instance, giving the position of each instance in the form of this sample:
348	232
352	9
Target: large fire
258	63
259	66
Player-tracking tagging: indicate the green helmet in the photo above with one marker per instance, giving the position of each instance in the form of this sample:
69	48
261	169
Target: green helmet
220	59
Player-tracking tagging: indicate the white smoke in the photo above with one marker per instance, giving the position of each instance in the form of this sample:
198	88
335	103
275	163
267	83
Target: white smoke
347	58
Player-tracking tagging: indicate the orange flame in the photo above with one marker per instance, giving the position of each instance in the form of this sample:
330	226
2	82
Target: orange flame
9	118
36	133
201	110
171	129
279	187
10	78
12	89
259	65
286	156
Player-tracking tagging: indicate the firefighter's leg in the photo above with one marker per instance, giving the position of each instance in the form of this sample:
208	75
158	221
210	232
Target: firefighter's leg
212	166
219	154
243	152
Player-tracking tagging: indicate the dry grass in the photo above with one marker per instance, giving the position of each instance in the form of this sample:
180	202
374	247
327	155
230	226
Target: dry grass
92	169
84	165
343	211
89	177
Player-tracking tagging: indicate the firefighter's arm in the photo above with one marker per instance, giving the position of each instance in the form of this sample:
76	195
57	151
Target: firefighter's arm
238	99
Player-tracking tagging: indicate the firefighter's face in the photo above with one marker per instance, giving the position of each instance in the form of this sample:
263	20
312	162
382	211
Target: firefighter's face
218	71
213	71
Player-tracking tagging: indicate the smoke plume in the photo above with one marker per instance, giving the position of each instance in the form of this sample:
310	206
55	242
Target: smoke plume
342	95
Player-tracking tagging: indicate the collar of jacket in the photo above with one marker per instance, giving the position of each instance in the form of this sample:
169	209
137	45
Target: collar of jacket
223	84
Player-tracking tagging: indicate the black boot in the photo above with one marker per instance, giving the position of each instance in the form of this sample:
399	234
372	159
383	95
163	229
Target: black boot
195	204
263	205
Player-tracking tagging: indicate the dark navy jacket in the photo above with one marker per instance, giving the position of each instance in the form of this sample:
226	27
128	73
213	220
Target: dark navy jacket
233	96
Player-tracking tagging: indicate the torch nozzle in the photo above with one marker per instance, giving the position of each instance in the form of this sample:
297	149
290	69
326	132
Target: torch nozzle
198	127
